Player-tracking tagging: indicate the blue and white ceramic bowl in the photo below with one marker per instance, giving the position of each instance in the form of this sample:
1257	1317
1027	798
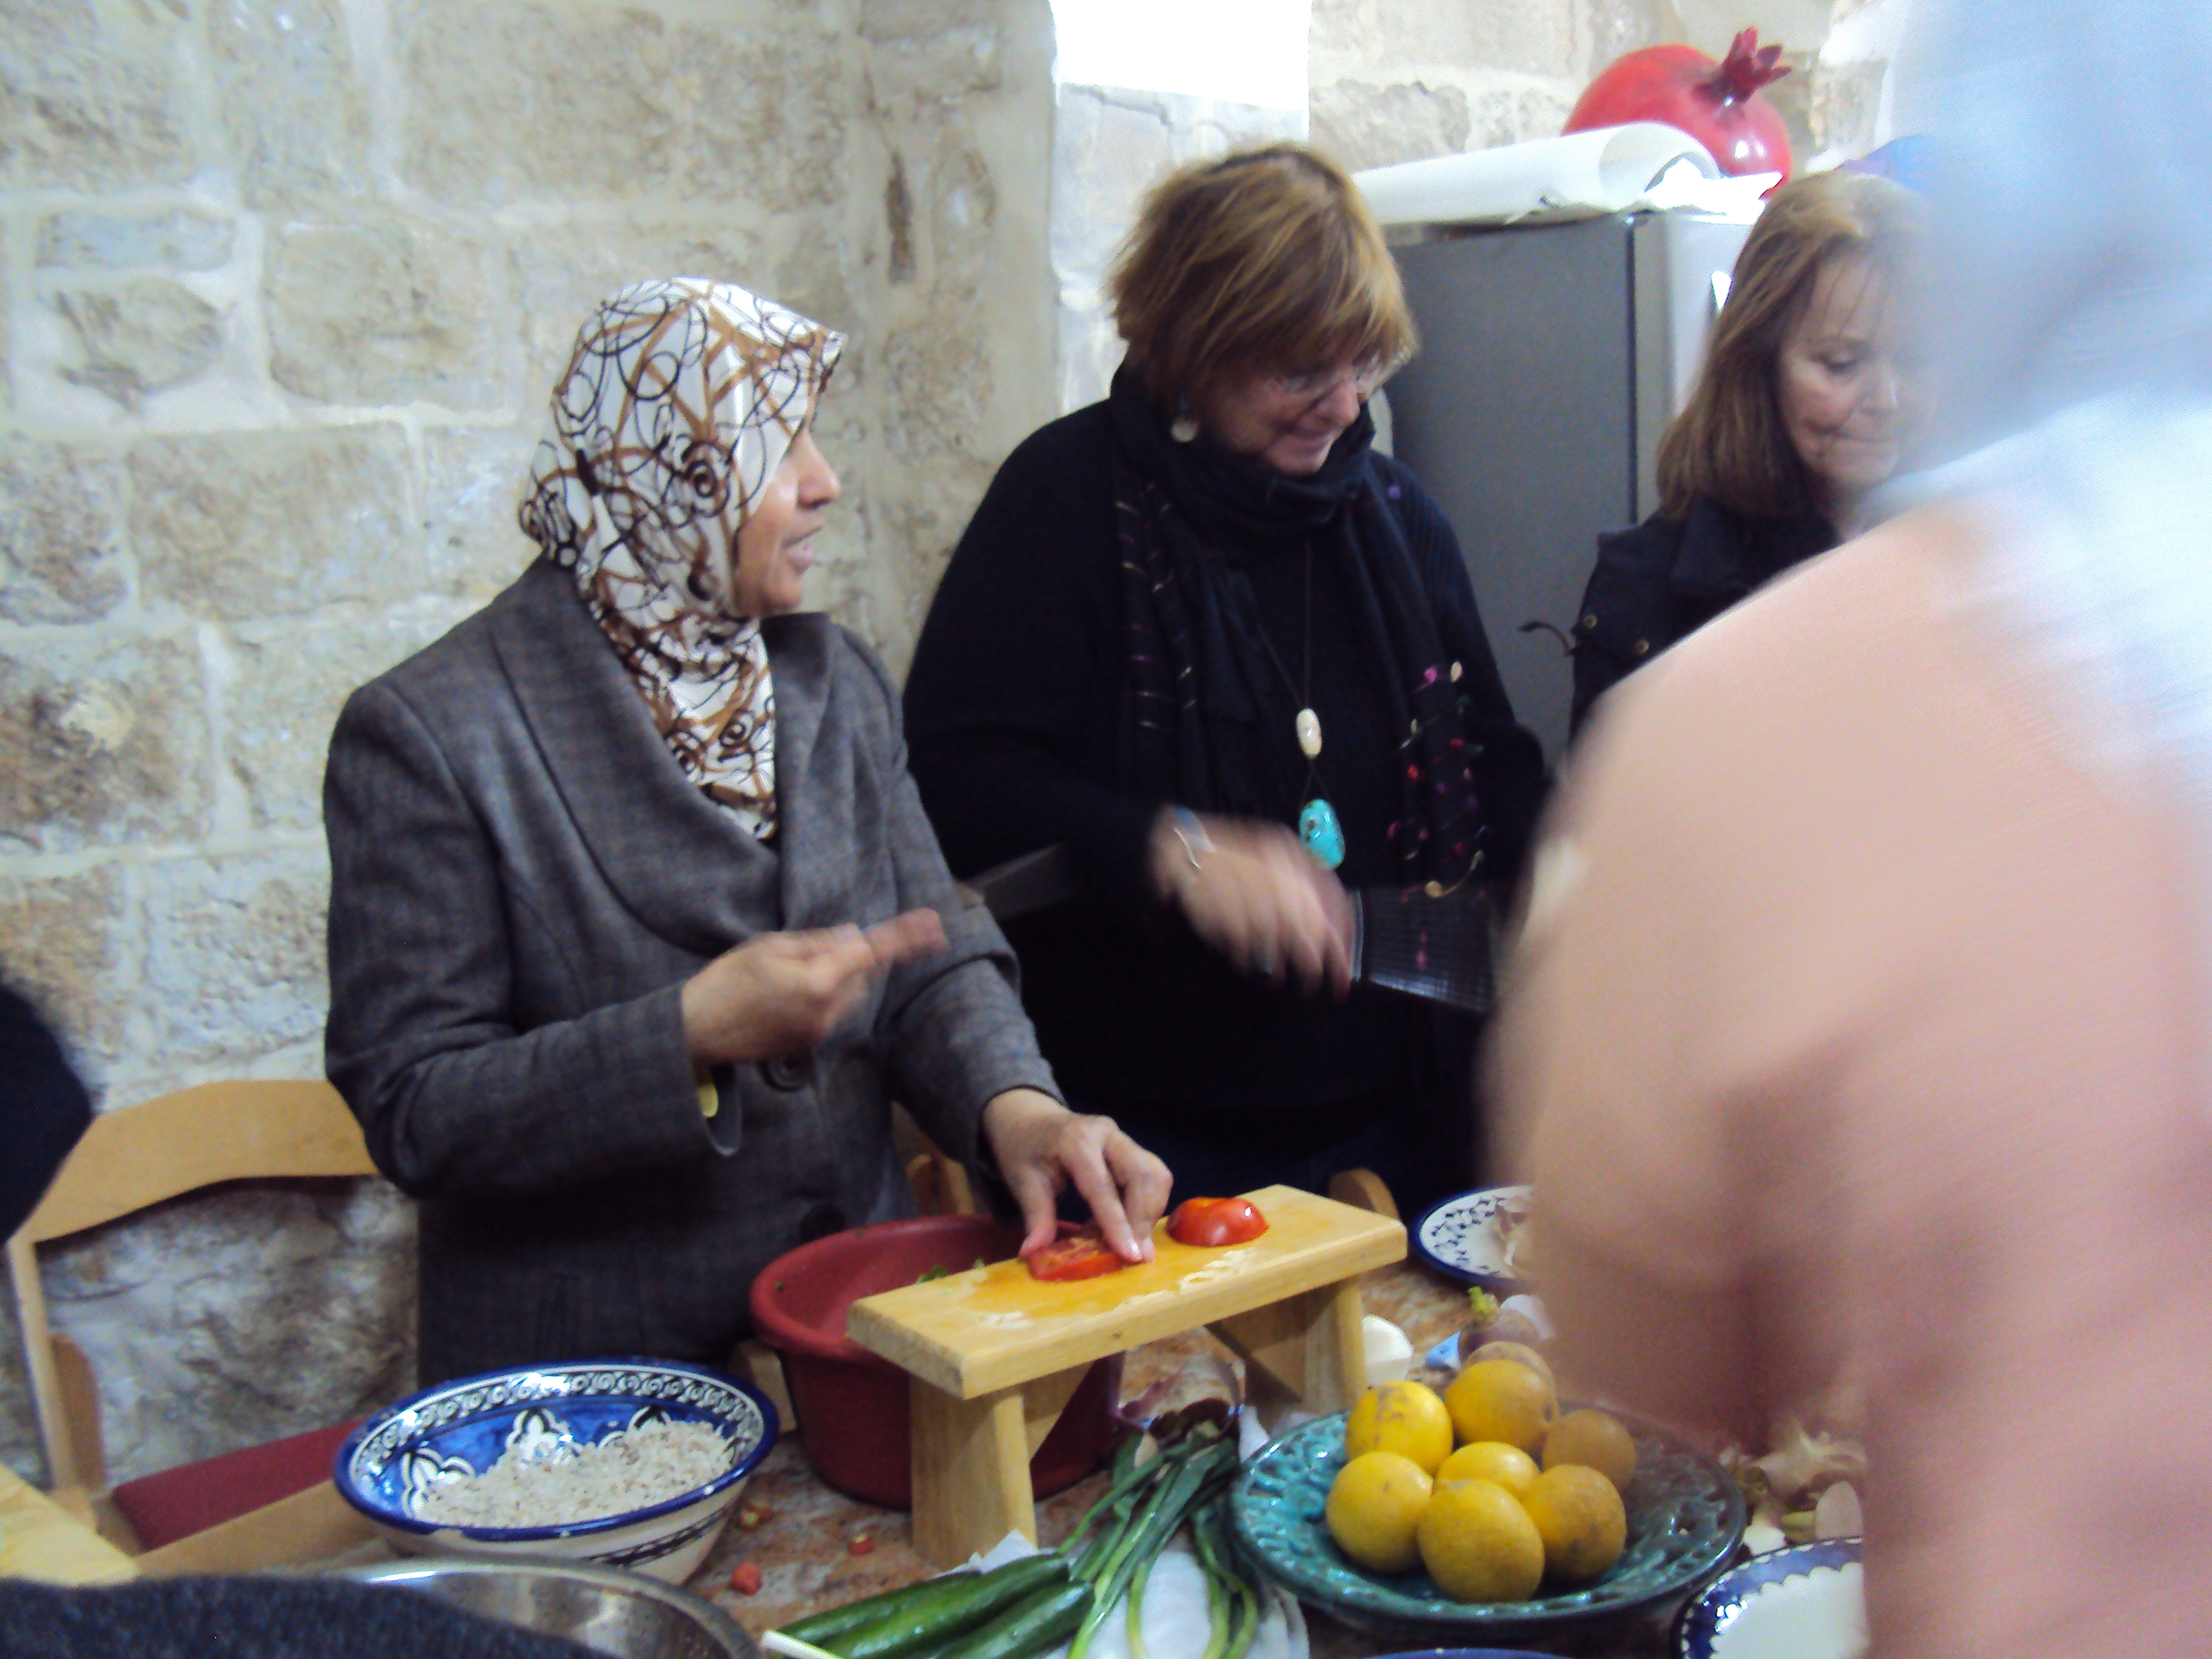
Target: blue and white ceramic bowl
1804	1603
388	1464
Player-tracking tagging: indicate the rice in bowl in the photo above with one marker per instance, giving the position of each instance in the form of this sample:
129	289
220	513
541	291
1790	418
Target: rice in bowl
546	1478
655	1452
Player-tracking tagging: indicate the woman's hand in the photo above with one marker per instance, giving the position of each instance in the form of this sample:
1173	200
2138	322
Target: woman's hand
780	995
1252	892
1040	1147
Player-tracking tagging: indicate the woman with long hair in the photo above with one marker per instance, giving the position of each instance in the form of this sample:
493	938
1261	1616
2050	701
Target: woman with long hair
1802	408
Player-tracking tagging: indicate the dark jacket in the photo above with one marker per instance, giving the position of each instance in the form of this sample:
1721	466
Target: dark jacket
1668	578
43	1109
1014	705
521	879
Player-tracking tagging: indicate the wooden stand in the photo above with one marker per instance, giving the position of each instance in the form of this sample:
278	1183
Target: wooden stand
994	1355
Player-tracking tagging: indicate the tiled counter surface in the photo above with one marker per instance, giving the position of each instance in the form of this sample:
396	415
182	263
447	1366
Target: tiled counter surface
804	1548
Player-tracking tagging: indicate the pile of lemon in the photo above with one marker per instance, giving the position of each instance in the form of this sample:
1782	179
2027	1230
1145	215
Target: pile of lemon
1485	1520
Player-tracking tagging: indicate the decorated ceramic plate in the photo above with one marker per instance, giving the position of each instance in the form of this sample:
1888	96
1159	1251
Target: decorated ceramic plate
1461	1238
1685	1519
1807	1603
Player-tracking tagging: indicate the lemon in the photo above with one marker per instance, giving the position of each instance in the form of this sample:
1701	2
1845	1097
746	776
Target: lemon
1578	1512
1478	1544
1501	1400
1595	1441
1406	1418
1375	1506
1520	1352
1493	1461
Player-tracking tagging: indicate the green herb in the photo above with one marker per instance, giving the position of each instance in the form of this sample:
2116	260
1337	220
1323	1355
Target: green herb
940	1271
1483	1305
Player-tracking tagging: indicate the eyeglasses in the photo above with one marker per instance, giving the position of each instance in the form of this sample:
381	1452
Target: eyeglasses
1311	385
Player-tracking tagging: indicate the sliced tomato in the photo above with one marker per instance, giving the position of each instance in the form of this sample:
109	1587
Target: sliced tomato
1209	1222
1078	1252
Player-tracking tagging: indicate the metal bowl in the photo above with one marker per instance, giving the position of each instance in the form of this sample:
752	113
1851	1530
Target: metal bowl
623	1614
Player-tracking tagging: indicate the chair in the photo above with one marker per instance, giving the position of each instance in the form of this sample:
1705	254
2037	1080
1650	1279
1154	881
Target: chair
128	1160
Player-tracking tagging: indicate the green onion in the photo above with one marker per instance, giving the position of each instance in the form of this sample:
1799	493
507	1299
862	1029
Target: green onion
1148	1532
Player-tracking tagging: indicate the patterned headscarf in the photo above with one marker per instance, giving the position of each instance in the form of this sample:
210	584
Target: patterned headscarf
679	402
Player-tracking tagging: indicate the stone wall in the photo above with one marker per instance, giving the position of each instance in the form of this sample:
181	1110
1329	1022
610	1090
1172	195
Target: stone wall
1401	80
284	286
1110	146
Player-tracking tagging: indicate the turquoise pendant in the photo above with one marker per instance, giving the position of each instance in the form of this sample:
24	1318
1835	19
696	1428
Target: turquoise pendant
1322	834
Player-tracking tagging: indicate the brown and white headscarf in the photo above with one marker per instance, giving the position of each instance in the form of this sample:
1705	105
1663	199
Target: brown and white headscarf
679	402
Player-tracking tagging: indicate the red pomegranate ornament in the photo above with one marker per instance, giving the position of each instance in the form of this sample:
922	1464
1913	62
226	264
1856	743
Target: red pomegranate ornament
1718	104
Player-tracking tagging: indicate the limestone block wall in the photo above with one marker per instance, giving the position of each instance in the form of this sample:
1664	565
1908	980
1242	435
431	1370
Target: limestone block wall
1401	80
1111	145
283	287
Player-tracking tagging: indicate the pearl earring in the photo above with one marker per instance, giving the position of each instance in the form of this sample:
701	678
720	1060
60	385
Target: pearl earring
1184	426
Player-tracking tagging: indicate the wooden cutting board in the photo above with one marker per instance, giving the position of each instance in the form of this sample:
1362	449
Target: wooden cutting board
994	1327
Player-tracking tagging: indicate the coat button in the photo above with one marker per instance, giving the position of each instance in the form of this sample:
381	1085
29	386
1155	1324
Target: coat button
794	1071
820	1222
1641	647
1589	622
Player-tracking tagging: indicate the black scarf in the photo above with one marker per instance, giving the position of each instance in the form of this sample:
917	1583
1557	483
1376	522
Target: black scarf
1198	693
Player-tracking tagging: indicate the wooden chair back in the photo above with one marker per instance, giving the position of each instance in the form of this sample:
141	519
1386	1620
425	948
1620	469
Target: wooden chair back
137	1157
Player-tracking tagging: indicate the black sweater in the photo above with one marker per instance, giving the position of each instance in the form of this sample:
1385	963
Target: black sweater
1012	708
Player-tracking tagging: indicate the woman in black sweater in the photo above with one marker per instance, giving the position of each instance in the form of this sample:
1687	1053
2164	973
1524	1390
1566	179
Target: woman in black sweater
1206	639
1800	413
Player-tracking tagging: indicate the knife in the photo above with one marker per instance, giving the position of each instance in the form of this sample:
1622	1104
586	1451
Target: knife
1433	947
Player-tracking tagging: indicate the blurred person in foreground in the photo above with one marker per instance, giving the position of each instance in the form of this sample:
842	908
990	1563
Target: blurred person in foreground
1801	410
1203	636
1860	1020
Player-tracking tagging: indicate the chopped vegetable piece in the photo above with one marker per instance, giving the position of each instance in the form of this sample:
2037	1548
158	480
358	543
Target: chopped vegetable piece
861	1545
745	1578
1209	1222
750	1515
940	1271
1078	1252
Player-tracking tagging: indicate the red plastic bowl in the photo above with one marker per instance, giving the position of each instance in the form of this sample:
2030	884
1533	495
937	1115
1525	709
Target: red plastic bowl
851	1405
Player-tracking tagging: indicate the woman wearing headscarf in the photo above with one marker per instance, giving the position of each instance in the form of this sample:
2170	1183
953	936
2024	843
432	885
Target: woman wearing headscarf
635	921
1802	408
1206	638
1861	1021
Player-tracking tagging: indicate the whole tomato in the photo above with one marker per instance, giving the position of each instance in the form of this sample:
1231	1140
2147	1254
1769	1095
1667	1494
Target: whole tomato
1209	1222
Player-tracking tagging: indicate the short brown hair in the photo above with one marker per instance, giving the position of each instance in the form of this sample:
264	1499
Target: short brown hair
1266	258
1729	441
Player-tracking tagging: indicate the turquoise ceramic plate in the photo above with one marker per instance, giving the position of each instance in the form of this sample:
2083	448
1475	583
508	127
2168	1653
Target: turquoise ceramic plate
1685	1520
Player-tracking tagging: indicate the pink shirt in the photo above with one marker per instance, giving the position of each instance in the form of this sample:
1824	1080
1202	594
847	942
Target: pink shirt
1858	1026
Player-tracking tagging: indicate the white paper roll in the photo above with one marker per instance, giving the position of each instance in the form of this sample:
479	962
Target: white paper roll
1602	171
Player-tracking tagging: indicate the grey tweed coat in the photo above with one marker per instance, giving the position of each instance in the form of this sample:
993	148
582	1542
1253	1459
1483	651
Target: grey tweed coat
521	878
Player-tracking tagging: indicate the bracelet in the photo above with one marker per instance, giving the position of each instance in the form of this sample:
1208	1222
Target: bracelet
1186	827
